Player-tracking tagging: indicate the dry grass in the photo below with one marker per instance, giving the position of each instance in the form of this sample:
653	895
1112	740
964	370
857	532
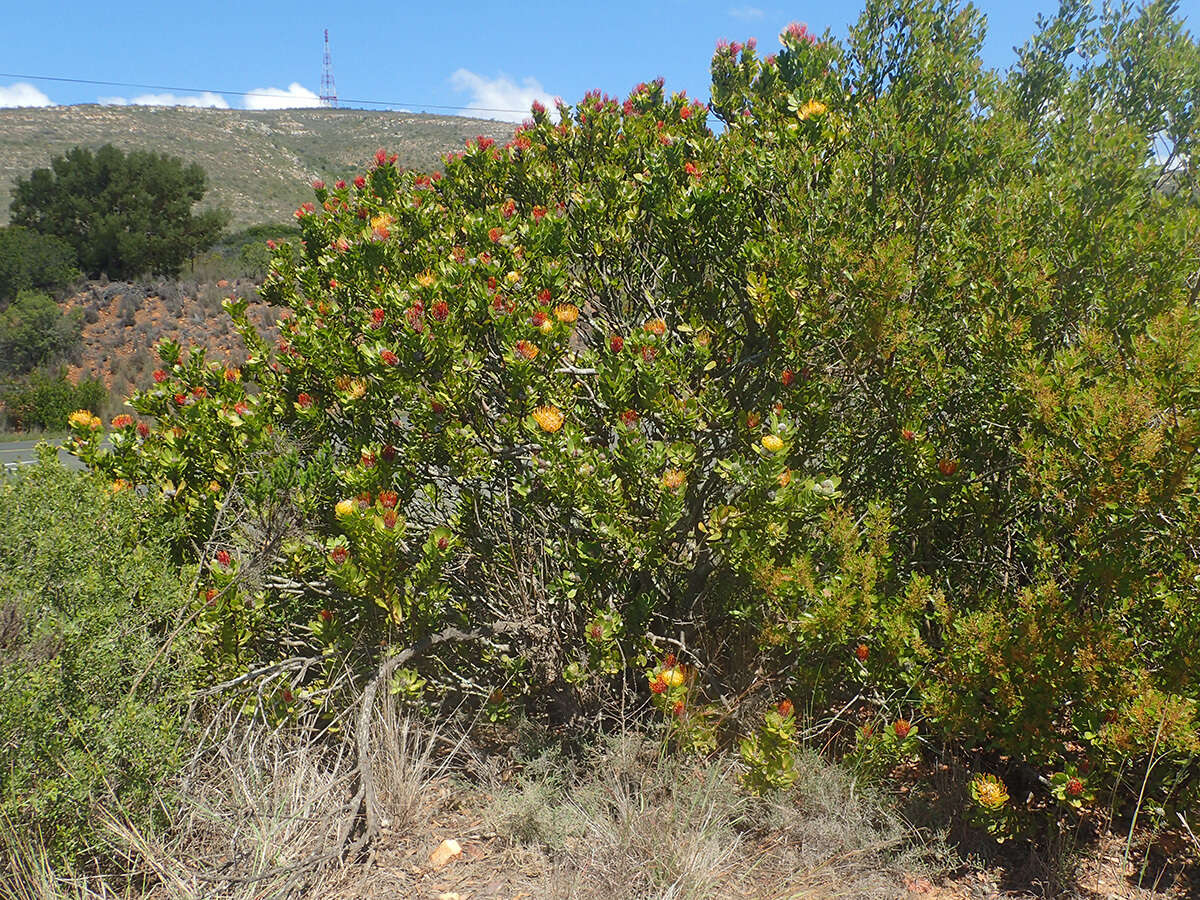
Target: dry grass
632	822
264	813
267	813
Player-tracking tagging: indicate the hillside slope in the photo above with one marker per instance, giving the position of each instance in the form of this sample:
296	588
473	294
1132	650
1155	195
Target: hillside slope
259	163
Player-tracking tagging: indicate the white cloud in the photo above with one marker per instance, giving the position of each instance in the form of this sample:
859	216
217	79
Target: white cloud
295	96
22	93
746	13
208	98
499	97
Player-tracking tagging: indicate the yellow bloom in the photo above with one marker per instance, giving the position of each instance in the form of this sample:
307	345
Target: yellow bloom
672	676
354	387
989	791
512	277
673	478
785	477
120	485
82	418
566	312
425	279
811	108
382	221
546	327
344	508
549	418
772	442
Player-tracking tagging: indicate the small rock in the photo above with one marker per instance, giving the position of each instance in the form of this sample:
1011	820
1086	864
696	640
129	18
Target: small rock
447	850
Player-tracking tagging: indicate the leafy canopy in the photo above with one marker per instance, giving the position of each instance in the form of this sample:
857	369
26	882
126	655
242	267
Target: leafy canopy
886	396
125	214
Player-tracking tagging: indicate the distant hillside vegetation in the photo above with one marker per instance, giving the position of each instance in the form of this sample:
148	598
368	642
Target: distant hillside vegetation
259	163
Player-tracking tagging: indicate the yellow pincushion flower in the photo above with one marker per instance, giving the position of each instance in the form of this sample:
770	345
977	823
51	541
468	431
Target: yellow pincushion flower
344	508
673	479
772	442
989	791
512	277
566	312
811	108
549	418
83	418
672	676
426	279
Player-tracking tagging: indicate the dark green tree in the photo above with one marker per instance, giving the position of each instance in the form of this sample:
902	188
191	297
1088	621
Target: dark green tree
32	260
125	214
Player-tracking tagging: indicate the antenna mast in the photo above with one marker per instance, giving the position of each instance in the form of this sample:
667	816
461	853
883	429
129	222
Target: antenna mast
328	91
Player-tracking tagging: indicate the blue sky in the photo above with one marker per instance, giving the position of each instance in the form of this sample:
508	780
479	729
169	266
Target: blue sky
427	56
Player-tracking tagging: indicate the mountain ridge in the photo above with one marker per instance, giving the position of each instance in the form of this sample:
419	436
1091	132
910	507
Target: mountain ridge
259	162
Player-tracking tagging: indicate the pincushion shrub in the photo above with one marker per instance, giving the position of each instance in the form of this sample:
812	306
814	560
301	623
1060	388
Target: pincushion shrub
886	391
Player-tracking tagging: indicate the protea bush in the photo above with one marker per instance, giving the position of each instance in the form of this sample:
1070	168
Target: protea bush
886	391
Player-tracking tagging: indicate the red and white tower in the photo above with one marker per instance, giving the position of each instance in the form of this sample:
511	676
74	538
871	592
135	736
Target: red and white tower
328	91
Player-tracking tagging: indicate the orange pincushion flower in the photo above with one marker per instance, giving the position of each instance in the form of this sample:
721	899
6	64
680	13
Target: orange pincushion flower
566	312
786	708
656	326
947	466
549	418
785	477
527	349
124	420
861	652
673	479
902	727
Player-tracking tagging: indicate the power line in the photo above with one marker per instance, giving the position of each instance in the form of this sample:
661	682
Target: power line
167	87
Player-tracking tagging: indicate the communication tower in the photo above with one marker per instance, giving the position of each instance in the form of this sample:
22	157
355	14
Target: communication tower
328	91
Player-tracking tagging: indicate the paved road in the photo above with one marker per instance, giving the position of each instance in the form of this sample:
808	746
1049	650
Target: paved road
21	453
